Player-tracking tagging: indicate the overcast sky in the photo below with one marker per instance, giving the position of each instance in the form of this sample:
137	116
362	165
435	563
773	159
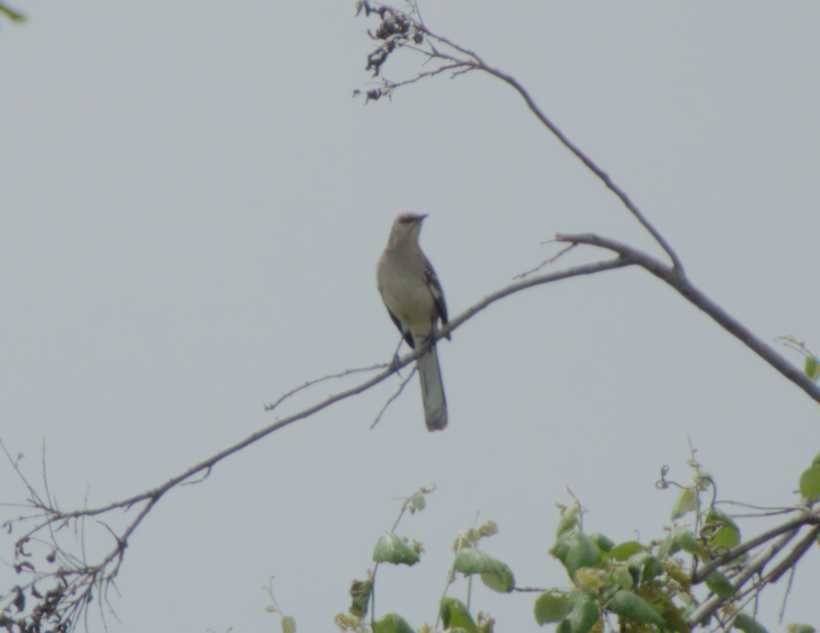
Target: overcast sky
192	209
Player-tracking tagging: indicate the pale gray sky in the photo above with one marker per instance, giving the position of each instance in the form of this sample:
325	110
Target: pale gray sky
192	210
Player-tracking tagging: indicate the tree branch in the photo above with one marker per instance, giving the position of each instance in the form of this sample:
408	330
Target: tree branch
77	579
684	287
710	606
399	30
588	163
808	518
409	35
794	556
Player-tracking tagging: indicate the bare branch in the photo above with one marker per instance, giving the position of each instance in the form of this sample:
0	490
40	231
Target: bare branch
546	262
794	556
437	48
710	606
77	580
787	564
316	381
608	182
683	286
412	29
392	398
807	518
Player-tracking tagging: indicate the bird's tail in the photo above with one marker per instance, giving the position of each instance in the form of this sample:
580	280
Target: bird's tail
432	390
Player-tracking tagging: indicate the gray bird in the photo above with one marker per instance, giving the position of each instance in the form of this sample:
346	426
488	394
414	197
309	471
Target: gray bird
415	301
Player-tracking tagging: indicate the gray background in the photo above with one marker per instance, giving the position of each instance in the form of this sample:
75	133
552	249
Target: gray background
192	209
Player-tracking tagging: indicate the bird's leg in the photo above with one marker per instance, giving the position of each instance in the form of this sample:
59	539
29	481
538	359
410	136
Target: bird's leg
429	343
394	363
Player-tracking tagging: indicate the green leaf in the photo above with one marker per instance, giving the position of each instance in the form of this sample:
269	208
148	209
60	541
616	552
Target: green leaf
603	542
810	483
288	624
800	628
719	584
622	578
720	531
560	548
495	574
645	565
580	551
395	550
624	550
392	623
582	617
811	367
470	560
748	624
687	501
631	606
569	519
677	573
682	539
685	540
552	606
500	578
454	615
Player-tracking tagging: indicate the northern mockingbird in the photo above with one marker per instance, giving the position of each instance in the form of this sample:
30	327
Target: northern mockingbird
415	301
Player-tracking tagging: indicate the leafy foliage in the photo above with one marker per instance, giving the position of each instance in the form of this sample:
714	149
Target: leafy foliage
670	584
396	550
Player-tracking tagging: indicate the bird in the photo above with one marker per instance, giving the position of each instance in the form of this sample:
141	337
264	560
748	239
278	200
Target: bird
414	299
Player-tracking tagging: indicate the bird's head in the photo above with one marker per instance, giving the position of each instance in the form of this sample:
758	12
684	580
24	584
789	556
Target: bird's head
406	228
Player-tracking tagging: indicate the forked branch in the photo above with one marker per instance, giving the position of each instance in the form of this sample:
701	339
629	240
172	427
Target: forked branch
405	30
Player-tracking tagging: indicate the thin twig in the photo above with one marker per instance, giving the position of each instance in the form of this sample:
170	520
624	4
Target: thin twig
765	510
794	556
786	593
390	86
392	398
321	379
546	262
529	589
